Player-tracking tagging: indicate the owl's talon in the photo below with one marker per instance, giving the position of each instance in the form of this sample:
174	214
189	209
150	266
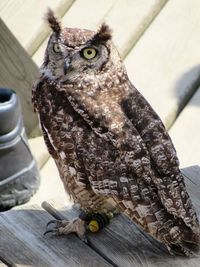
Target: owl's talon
53	222
52	231
65	227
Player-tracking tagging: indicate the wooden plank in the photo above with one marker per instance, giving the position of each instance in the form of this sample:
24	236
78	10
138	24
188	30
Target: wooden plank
17	72
185	132
192	174
39	150
3	264
126	245
158	64
129	19
27	15
23	244
118	14
51	185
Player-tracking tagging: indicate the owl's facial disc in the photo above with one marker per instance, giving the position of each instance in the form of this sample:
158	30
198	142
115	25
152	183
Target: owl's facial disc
87	51
86	59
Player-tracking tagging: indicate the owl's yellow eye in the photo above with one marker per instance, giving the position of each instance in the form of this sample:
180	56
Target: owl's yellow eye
89	53
56	48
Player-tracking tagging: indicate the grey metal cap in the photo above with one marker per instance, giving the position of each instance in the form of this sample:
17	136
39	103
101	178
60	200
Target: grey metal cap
10	115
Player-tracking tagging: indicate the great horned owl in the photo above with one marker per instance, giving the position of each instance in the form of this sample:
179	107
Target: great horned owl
109	145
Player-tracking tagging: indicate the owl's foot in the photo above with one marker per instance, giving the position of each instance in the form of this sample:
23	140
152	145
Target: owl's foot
92	222
65	227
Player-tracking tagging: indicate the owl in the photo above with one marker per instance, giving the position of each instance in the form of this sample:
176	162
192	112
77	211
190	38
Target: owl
111	149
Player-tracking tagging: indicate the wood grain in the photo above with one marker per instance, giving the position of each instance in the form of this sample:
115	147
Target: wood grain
2	264
129	19
18	72
49	179
39	150
23	244
185	132
164	64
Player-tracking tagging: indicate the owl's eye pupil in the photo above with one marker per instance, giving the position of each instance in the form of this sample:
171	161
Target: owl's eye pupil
56	48
88	53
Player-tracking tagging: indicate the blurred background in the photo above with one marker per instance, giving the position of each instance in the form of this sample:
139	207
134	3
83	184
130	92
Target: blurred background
158	40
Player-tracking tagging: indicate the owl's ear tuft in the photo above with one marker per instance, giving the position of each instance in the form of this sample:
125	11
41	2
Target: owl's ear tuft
102	35
53	21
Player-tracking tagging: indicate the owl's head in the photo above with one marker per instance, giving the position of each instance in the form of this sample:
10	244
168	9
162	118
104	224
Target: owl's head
72	52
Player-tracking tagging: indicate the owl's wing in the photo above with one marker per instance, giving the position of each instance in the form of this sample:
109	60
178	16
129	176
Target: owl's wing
167	176
42	105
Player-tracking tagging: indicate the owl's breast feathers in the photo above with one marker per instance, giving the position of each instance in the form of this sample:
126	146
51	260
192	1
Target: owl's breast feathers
125	152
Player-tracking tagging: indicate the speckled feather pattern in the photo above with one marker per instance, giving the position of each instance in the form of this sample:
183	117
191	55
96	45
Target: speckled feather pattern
109	144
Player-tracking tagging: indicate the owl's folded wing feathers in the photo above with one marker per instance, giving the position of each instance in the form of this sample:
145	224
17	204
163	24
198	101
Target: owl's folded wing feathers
165	165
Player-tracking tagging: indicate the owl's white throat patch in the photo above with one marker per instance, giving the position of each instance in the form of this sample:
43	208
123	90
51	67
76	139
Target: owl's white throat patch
47	73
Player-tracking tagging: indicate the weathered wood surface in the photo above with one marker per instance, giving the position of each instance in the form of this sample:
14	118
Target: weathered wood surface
39	150
22	242
127	18
2	264
119	244
164	64
185	132
51	185
18	72
25	19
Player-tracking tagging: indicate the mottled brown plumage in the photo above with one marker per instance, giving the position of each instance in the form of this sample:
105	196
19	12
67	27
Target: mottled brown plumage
109	145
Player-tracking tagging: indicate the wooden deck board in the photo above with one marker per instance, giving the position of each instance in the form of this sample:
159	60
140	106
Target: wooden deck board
25	19
128	19
185	132
51	185
121	242
163	64
39	150
18	72
23	244
2	264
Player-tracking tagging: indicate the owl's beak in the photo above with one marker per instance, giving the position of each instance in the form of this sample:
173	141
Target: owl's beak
66	65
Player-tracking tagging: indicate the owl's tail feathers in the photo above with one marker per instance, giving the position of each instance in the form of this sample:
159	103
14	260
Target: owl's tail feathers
184	243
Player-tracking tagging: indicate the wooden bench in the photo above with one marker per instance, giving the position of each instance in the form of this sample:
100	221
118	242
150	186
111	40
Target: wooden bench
120	244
